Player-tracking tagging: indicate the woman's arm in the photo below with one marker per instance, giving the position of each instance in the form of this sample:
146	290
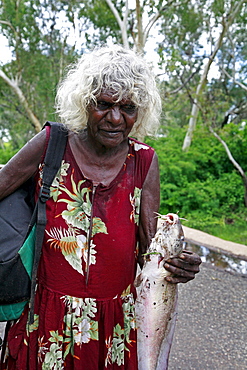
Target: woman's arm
23	165
186	265
150	202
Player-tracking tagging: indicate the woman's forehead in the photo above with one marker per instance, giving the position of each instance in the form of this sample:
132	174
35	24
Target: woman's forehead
110	94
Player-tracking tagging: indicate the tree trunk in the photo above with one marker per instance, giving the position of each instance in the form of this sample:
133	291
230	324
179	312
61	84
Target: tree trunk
139	44
142	33
121	22
14	86
226	23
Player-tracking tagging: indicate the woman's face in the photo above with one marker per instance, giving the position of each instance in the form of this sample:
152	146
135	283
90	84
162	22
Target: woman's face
109	123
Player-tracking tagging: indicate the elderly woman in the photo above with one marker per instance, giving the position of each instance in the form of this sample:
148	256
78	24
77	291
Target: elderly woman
101	218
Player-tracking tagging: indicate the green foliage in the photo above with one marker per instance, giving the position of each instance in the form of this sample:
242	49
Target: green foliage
233	229
7	152
39	55
202	184
96	14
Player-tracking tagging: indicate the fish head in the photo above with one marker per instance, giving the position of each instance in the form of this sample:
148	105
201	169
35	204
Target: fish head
169	237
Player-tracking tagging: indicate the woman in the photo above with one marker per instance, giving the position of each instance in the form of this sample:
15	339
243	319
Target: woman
101	218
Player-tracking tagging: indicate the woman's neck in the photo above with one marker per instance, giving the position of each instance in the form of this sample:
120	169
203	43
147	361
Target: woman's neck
97	163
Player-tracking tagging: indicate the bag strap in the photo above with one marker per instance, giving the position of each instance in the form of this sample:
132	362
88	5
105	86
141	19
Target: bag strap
52	163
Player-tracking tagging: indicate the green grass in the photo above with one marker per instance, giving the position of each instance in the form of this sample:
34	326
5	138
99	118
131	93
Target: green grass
234	233
232	227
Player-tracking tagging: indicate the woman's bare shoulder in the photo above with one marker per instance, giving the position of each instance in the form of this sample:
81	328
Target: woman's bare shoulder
23	165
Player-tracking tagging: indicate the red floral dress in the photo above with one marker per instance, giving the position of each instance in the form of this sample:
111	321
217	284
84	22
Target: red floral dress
84	305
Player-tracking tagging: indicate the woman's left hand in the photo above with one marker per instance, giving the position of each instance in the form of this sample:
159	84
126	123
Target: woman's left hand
183	268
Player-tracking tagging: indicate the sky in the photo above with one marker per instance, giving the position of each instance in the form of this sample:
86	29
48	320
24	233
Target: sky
151	56
5	53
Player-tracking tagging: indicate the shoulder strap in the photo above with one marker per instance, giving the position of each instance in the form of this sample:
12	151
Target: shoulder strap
52	163
53	157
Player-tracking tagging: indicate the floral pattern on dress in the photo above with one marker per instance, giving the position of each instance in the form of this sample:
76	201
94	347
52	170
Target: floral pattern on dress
62	172
79	324
72	243
115	347
135	201
138	146
54	357
34	326
79	328
79	208
42	348
66	329
129	313
73	247
58	179
117	344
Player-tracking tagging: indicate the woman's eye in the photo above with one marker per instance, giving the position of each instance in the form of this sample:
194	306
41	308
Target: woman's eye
103	105
128	108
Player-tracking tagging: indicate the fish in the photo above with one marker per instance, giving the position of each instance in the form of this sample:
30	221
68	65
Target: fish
156	299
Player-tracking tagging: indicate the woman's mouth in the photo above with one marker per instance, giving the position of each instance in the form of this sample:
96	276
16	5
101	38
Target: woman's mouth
111	133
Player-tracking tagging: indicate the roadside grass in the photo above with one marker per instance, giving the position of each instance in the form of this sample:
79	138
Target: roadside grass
233	232
233	228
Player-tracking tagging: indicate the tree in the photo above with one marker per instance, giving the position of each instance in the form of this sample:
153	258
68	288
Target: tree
39	53
226	22
131	29
184	24
38	32
13	84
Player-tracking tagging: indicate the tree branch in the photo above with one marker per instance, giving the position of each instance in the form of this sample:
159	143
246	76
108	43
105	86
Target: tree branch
236	82
154	19
184	83
122	23
14	86
233	161
11	102
10	25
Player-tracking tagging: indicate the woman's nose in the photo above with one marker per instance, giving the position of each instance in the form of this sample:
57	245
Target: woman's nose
114	115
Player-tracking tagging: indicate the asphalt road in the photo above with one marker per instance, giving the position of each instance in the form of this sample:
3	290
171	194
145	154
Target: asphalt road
211	331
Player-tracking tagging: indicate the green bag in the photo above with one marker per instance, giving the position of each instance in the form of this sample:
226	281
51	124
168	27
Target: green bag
21	233
12	311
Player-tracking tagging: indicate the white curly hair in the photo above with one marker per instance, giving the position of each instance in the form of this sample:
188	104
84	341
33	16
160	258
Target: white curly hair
116	68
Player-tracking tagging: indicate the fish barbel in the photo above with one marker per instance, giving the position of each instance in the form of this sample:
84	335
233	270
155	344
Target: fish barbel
156	298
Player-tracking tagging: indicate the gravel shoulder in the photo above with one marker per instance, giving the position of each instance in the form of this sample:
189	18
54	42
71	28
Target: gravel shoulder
211	331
